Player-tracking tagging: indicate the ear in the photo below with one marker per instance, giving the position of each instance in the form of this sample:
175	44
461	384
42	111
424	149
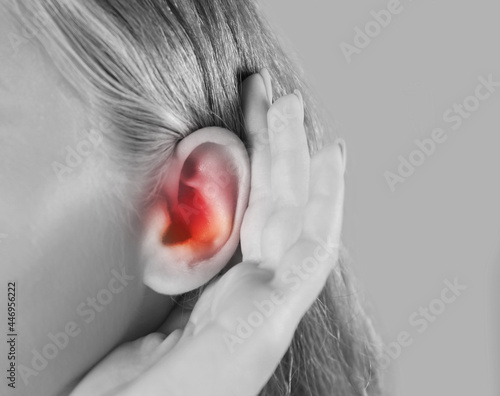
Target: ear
193	228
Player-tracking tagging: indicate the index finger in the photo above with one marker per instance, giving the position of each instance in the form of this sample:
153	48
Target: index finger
255	103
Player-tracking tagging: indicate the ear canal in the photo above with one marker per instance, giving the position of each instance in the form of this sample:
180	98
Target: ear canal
202	211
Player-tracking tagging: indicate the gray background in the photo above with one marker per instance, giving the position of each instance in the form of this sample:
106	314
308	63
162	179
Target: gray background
443	221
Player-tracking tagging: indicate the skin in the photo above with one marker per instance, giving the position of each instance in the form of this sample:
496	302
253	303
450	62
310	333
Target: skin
63	238
299	216
66	237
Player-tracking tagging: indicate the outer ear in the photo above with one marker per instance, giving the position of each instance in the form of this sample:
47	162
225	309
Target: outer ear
193	228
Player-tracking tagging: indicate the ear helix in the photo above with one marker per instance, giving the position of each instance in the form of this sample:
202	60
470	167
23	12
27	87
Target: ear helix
193	229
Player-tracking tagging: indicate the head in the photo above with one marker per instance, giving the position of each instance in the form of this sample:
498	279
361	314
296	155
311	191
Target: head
125	177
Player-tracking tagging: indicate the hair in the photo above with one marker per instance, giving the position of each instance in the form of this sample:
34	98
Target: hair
156	70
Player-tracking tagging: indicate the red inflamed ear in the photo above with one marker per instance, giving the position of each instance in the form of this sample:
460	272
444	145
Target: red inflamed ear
192	229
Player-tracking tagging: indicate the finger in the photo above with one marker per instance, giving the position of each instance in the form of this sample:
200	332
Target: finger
126	363
267	82
255	105
205	357
289	151
281	231
304	268
323	212
256	100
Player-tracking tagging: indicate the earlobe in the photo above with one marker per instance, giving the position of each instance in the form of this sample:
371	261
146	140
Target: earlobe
192	230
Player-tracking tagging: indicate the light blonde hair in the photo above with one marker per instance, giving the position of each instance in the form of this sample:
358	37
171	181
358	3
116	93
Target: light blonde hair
156	70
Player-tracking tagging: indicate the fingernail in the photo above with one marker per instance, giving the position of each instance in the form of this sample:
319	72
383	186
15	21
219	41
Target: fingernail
301	99
266	76
343	151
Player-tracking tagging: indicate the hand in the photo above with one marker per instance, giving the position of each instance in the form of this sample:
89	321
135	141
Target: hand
243	324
